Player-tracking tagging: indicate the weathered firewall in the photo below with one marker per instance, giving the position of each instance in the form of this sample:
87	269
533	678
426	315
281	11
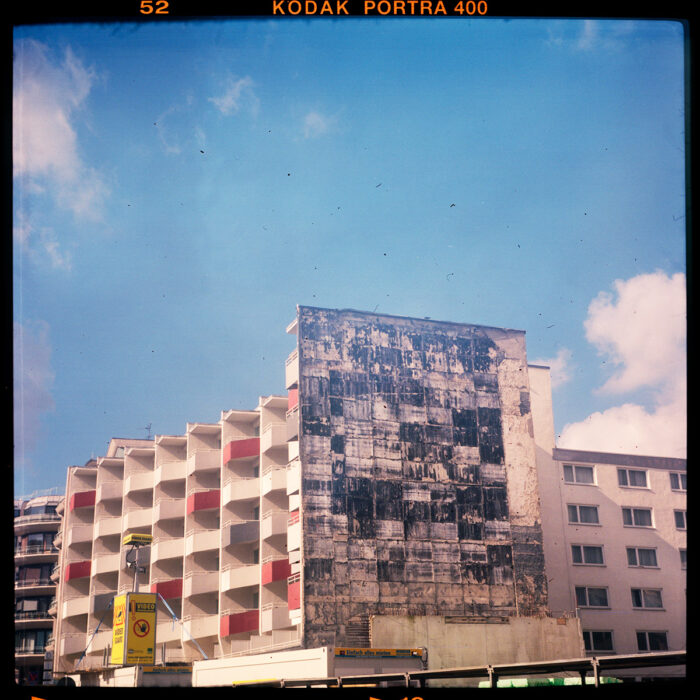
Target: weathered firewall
419	490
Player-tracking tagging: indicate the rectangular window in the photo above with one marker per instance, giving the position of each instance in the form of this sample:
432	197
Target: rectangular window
681	517
636	517
589	597
652	641
596	640
679	481
646	598
574	474
585	554
632	477
684	558
641	556
585	515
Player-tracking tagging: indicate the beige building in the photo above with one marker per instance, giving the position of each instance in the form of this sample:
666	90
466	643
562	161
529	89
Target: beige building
614	530
35	526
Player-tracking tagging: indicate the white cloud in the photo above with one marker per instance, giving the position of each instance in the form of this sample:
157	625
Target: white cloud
47	97
40	245
641	332
33	380
316	124
559	367
237	94
590	34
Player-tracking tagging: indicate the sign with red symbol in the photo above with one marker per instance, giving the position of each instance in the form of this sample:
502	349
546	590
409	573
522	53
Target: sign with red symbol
141	628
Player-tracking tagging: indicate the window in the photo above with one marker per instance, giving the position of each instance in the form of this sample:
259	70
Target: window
636	517
588	597
584	515
632	477
681	517
585	554
646	598
641	556
578	475
679	481
684	558
652	641
596	640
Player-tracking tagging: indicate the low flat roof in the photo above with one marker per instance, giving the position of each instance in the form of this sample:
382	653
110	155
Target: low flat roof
622	460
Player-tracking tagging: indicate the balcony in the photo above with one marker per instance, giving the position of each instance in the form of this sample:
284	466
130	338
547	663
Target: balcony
109	491
55	573
169	509
294	531
293	424
273	522
274	616
169	631
78	534
244	448
240	577
204	461
139	481
82	499
292	399
274	436
291	370
171	548
77	569
28	650
274	569
274	479
75	606
48	518
35	586
72	644
241	532
171	588
201	625
197	583
294	592
292	450
202	541
293	476
138	519
35	552
203	500
239	622
27	619
241	489
106	563
105	527
170	471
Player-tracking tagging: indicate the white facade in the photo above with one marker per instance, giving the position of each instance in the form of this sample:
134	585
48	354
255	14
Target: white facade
614	529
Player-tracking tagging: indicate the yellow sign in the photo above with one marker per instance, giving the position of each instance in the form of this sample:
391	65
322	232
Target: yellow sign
136	538
118	627
134	629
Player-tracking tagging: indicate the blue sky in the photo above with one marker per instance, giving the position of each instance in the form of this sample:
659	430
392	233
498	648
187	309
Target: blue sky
180	187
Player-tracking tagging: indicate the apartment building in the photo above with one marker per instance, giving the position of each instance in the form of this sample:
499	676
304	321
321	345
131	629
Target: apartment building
398	476
35	526
615	541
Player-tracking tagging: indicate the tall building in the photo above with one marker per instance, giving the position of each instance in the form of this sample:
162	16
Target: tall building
35	526
397	477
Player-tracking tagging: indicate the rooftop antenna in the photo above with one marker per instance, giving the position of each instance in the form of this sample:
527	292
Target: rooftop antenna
148	429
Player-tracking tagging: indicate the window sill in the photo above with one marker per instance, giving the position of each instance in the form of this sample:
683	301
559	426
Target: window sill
578	483
649	609
637	566
586	524
600	566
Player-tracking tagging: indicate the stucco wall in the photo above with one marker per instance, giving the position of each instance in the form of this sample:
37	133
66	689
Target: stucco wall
514	640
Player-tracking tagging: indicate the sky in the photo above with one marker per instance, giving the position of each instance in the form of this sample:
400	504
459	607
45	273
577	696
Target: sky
178	188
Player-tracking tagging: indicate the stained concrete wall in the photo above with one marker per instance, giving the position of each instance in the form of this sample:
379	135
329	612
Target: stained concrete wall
419	484
453	645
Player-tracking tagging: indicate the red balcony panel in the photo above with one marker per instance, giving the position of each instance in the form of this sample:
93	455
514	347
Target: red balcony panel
77	569
168	589
293	517
292	399
236	623
82	499
294	595
203	500
275	571
239	449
